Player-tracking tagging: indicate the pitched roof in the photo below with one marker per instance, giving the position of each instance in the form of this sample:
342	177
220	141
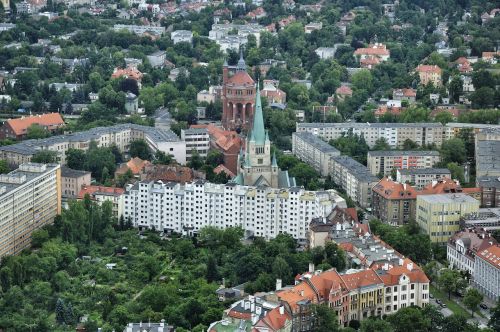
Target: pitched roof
93	190
135	165
361	279
394	190
428	69
377	50
128	72
344	90
491	255
50	120
241	78
222	168
275	320
258	131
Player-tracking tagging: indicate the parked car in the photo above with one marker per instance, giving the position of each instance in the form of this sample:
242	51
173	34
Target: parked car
438	301
431	296
443	305
483	306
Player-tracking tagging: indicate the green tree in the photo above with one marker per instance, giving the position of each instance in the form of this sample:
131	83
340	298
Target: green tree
362	80
75	158
45	157
457	172
4	166
139	148
472	299
196	161
375	325
451	281
335	256
483	97
326	321
60	311
494	322
212	273
408	144
453	150
381	144
36	131
444	117
281	270
409	319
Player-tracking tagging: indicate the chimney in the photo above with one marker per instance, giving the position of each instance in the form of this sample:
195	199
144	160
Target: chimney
301	293
409	266
282	310
278	284
311	267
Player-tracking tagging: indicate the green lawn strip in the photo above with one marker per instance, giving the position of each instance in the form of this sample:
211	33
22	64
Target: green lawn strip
453	306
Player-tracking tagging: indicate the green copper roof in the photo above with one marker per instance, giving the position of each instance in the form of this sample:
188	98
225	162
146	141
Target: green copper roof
274	162
258	131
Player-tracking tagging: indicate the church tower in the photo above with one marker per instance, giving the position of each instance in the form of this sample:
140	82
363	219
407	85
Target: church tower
257	166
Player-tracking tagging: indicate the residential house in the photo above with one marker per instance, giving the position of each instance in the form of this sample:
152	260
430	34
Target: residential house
421	177
393	202
101	194
170	173
182	36
408	94
157	59
325	53
313	26
273	94
342	92
372	55
72	181
18	128
385	161
463	246
131	103
429	74
487	272
135	165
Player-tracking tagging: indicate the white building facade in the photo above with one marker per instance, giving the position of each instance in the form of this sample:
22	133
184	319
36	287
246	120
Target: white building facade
260	211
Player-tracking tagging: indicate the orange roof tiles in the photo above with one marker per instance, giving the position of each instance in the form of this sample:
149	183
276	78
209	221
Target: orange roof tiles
429	69
224	139
135	165
377	50
20	126
127	72
394	190
361	279
491	255
241	78
92	190
222	168
275	320
344	90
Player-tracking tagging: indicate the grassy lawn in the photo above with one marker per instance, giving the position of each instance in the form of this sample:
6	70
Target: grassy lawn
453	306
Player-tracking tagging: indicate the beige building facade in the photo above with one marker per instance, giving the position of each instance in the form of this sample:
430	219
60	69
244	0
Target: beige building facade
30	198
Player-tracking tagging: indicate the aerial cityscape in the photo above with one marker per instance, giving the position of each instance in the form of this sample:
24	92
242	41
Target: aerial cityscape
249	165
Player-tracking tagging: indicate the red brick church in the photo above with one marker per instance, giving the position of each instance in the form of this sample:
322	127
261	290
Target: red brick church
238	97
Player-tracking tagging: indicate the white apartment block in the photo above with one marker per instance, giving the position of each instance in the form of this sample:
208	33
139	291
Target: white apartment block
314	151
196	139
487	272
394	133
120	135
222	35
260	211
354	178
383	162
140	29
30	198
180	36
420	177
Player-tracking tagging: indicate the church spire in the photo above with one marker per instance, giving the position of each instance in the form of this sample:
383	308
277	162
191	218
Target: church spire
258	131
241	62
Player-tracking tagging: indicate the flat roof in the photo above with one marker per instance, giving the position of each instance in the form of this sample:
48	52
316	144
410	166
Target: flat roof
381	153
448	198
411	171
72	173
359	170
317	142
367	124
25	173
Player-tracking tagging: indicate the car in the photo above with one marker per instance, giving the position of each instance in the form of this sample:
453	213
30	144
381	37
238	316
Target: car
443	305
431	296
483	306
438	301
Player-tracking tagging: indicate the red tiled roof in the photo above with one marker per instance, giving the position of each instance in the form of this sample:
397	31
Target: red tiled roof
241	78
136	165
377	51
344	90
222	168
20	126
127	72
275	320
428	69
394	190
92	190
491	255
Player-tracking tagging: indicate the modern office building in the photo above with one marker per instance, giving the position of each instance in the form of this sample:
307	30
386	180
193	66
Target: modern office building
439	215
394	133
30	198
314	151
383	162
421	177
